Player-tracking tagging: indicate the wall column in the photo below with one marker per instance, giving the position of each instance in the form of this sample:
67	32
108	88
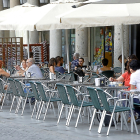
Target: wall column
118	45
55	42
33	35
1	8
13	3
81	46
33	2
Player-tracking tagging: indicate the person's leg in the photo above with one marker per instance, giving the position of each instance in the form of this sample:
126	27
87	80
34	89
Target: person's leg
137	109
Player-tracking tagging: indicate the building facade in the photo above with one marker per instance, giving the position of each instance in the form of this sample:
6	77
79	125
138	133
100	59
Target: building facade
93	44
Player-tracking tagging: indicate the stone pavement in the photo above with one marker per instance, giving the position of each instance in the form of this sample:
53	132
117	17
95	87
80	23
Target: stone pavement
16	127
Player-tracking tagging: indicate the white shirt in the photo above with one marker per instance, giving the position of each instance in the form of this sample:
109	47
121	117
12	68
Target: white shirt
35	71
135	79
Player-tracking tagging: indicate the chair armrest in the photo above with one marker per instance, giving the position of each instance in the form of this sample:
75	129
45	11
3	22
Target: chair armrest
81	94
114	98
76	89
109	94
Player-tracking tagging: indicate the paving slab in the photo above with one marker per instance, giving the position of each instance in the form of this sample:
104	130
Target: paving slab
16	127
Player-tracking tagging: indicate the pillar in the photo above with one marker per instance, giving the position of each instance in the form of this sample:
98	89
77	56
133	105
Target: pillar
1	8
34	2
33	35
13	3
55	43
81	45
118	45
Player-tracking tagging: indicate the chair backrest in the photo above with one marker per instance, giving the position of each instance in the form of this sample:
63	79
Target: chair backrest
20	88
94	74
12	70
34	90
92	79
108	73
43	71
72	78
94	97
62	93
72	95
103	98
1	86
61	76
85	78
13	86
57	74
41	91
117	70
67	76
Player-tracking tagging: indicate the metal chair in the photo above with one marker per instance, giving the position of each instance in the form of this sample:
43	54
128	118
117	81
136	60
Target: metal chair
67	77
46	99
92	79
96	103
108	73
114	109
4	92
37	98
117	70
72	78
64	98
23	95
76	103
85	78
14	90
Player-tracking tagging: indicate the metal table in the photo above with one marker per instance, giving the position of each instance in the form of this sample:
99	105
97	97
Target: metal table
29	79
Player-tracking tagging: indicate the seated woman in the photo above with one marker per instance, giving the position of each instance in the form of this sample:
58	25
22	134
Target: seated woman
52	64
3	73
21	69
24	66
105	67
125	77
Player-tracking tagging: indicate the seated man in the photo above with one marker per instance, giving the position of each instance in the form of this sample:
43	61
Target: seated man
80	69
33	69
58	66
75	62
135	83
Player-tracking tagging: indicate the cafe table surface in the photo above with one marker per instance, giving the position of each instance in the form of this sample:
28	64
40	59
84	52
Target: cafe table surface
75	83
29	79
115	89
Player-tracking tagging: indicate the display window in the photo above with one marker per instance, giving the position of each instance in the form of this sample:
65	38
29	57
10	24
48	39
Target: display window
102	45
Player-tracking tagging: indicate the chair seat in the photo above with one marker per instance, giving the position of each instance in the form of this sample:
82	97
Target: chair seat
136	104
8	92
119	109
55	99
52	99
30	95
85	104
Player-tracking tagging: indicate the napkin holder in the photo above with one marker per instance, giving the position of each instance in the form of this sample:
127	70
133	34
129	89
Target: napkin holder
29	75
52	76
99	81
80	80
